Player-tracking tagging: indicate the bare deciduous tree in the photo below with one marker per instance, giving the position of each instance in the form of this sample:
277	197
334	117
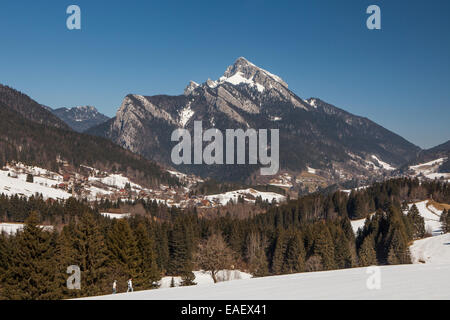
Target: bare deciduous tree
214	255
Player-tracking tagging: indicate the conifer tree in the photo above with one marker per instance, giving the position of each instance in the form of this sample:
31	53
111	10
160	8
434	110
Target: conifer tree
123	251
148	273
367	254
83	244
342	252
417	222
398	252
295	255
445	221
323	246
32	274
279	252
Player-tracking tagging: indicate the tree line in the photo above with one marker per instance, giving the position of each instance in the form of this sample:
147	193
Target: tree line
311	233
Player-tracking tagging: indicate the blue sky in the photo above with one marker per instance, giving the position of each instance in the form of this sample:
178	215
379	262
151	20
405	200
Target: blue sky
398	77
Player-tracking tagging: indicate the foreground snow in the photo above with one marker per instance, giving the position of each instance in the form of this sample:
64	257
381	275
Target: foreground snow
204	278
415	281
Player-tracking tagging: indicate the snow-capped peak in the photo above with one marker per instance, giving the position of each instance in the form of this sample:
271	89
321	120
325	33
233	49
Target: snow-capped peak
244	69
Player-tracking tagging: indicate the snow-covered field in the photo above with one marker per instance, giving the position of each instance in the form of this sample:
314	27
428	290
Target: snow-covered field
415	281
17	185
204	278
13	228
430	169
433	250
249	194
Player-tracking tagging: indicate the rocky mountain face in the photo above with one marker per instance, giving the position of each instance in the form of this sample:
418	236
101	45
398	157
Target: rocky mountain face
80	118
315	137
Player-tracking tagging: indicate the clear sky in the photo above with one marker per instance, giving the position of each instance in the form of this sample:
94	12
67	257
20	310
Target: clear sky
398	76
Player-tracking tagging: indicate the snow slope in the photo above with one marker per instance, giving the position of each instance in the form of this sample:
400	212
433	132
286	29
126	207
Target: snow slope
204	278
431	217
435	250
429	283
11	186
357	224
224	198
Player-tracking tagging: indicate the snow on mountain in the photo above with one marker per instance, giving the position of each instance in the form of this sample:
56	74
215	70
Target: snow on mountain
382	164
80	118
16	183
239	78
185	115
348	284
430	169
117	181
249	195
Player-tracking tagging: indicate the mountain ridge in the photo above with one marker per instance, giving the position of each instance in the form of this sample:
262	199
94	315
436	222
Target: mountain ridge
312	133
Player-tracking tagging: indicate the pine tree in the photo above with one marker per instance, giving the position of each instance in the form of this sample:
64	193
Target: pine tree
278	252
256	255
148	271
178	250
32	274
83	244
417	222
295	255
445	221
323	246
398	252
367	254
123	251
342	252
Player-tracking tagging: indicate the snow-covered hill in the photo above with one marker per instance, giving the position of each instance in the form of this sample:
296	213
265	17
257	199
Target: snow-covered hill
396	283
431	216
249	195
434	250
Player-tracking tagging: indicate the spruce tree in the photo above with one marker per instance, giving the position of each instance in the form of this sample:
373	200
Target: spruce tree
148	271
323	247
417	222
123	251
83	244
342	252
278	252
295	255
32	274
367	254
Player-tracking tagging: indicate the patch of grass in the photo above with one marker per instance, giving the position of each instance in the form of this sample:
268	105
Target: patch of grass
438	205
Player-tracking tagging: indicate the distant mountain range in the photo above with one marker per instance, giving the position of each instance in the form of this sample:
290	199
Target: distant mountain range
80	118
320	144
314	136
